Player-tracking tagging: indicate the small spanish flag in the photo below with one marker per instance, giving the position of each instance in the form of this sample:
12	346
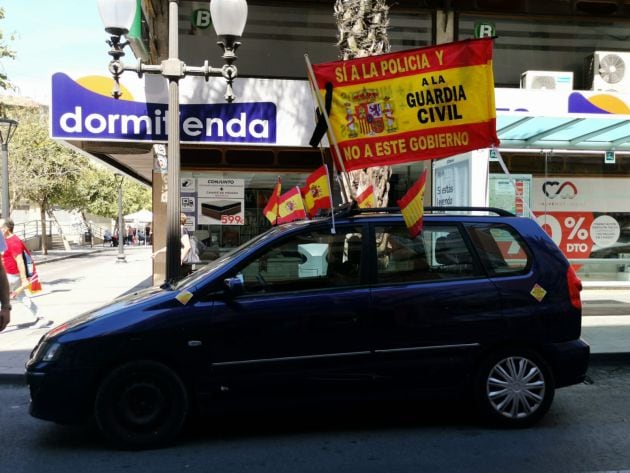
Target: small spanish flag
271	209
316	192
366	199
34	284
412	206
291	206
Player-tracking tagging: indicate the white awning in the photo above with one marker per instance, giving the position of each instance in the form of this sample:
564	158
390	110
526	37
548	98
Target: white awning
571	120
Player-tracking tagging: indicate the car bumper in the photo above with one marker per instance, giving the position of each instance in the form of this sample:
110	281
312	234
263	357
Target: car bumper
569	361
63	396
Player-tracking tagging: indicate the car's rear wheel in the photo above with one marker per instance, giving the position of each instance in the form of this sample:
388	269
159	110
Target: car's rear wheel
514	388
141	404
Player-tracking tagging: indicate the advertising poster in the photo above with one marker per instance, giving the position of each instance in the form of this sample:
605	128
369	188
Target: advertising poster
220	201
504	195
585	217
451	181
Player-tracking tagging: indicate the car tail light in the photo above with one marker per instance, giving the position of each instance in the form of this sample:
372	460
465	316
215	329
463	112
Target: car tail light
575	287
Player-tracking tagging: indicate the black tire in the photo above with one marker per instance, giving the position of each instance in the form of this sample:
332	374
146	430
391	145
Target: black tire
141	404
514	388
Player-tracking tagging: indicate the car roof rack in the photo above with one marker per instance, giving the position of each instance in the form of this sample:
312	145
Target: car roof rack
351	208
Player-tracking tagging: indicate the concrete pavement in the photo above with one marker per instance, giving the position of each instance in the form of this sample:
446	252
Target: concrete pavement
68	293
606	324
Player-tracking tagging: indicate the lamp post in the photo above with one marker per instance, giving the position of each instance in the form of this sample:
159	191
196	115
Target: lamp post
228	19
121	250
7	128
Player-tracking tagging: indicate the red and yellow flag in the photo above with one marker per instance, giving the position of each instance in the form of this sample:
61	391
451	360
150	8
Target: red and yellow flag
316	192
271	209
291	206
412	206
412	105
366	199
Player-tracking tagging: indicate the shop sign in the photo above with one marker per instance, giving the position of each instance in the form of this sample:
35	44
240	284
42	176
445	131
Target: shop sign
545	103
78	113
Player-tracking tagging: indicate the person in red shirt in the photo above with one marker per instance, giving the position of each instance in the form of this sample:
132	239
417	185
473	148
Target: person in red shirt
5	305
16	273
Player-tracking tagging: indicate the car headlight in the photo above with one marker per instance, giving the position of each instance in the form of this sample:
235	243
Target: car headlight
47	351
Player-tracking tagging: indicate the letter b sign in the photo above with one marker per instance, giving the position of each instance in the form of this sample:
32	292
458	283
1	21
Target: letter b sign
201	18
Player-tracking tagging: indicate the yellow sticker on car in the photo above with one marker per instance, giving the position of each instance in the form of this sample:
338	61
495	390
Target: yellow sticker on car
184	297
538	292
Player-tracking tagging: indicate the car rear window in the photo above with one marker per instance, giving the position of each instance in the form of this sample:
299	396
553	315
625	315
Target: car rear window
500	248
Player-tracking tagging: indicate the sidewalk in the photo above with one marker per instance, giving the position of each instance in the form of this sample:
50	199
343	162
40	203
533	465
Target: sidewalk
70	291
606	325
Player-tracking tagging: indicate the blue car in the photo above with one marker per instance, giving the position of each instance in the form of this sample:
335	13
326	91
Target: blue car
481	303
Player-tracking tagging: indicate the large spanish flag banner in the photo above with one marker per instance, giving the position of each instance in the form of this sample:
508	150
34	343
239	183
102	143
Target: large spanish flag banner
412	105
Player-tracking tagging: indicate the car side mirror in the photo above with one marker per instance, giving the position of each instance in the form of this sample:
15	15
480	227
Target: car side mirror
234	286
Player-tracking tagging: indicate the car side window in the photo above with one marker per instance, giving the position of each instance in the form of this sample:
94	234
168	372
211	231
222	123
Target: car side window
439	252
501	249
313	259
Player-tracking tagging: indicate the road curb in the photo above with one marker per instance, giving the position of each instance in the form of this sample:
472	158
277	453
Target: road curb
39	259
601	358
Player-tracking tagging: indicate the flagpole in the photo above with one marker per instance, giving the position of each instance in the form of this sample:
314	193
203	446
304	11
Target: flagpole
333	230
331	134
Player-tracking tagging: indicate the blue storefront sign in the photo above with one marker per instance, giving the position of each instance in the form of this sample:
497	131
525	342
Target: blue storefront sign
78	113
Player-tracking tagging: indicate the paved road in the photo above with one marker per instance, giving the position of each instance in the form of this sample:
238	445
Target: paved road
586	430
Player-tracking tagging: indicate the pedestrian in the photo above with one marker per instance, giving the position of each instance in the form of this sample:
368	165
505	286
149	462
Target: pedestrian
185	239
5	303
15	268
185	246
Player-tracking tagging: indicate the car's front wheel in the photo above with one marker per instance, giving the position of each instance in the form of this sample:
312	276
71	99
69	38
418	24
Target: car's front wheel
514	388
141	404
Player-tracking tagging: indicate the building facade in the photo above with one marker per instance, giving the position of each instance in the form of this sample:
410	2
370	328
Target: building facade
563	118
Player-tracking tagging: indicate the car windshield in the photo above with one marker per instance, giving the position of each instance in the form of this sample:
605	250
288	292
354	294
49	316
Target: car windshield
213	266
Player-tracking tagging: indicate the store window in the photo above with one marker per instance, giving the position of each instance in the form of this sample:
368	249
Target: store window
581	199
225	209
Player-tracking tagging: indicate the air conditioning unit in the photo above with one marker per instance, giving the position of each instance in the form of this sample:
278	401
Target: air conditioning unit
550	80
608	71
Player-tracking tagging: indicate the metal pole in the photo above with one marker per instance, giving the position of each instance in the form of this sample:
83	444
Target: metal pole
173	237
5	180
121	251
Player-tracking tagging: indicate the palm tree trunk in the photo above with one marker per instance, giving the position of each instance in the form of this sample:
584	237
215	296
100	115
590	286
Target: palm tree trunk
362	26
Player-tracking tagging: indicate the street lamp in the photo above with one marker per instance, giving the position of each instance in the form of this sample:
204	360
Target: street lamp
228	19
119	178
7	128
